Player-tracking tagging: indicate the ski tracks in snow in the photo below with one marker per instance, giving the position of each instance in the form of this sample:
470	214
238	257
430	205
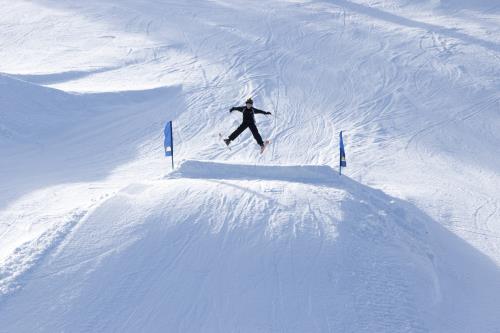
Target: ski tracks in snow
394	89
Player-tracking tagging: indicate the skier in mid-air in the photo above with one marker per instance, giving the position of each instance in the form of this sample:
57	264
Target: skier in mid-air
248	122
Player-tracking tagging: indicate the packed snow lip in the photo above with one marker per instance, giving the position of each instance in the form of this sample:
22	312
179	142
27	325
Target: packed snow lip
308	174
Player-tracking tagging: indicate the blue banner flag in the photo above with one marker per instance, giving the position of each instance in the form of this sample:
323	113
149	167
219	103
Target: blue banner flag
343	162
168	143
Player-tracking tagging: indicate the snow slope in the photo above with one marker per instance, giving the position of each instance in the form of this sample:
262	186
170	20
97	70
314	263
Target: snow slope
300	250
93	237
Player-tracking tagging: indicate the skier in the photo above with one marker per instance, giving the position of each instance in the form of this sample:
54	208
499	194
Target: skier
248	121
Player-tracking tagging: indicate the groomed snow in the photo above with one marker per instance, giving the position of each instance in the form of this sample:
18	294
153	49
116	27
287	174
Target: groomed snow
97	233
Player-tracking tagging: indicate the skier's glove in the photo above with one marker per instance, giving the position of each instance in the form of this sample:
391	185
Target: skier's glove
269	113
231	109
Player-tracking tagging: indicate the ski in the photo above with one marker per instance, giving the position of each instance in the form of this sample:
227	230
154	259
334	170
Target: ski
263	148
221	137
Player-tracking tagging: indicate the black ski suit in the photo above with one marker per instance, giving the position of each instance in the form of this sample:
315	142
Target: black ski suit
248	121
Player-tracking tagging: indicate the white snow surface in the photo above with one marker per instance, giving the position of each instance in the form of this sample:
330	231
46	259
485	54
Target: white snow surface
98	234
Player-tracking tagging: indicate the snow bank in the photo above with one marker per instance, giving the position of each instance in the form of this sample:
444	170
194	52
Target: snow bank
192	254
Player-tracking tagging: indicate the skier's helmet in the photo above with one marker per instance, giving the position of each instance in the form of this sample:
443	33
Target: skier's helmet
249	101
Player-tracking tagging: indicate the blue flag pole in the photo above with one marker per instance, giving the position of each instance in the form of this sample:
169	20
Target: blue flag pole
169	141
342	161
172	142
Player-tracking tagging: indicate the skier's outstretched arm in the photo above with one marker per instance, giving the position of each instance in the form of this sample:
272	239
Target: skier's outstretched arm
237	108
260	111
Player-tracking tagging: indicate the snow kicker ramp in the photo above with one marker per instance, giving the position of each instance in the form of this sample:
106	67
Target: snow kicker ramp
219	247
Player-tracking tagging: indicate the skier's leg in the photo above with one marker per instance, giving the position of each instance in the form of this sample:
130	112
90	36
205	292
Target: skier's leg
256	134
238	131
